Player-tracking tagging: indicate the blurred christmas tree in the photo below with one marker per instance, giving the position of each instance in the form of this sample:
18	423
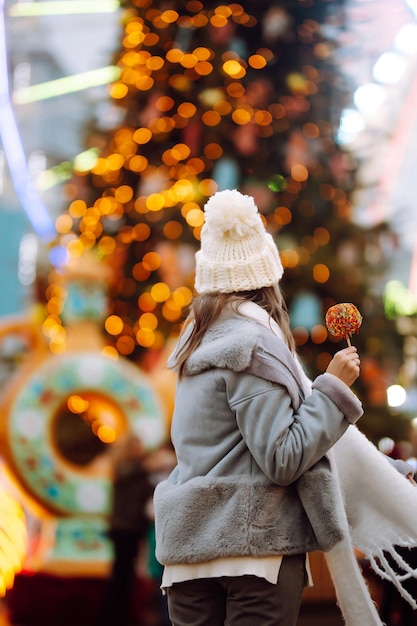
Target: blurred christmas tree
214	96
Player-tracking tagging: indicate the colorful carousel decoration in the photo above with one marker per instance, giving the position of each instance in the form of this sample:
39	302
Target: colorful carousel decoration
62	413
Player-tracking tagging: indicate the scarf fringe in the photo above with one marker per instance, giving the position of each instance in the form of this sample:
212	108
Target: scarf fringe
381	566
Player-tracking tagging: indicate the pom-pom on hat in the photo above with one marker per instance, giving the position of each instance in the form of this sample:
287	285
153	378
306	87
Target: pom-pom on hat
236	254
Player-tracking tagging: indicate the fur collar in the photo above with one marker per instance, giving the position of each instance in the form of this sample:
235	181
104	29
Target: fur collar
229	344
241	344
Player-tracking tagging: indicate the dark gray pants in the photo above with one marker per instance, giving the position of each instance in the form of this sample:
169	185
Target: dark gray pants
240	600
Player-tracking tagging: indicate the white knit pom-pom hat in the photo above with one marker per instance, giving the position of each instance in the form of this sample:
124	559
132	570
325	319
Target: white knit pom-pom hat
236	254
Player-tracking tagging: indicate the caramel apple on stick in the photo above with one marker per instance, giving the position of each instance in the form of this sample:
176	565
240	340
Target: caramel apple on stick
343	320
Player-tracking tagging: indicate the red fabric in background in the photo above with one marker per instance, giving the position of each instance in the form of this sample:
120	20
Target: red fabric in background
47	600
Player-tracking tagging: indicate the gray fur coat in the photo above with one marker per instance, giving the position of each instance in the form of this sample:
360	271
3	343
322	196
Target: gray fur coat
252	476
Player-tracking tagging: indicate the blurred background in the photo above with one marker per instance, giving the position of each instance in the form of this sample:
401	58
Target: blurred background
118	119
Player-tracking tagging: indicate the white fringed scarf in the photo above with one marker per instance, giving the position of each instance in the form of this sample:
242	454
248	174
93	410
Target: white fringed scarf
380	510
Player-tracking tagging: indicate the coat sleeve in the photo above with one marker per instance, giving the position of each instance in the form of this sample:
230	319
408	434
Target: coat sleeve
285	442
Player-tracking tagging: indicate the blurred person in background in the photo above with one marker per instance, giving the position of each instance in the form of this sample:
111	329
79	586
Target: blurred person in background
128	525
394	609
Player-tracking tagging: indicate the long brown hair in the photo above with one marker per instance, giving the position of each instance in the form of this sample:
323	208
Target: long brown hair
206	308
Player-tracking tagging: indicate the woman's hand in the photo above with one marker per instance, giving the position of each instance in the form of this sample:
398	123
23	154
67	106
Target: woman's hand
345	365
